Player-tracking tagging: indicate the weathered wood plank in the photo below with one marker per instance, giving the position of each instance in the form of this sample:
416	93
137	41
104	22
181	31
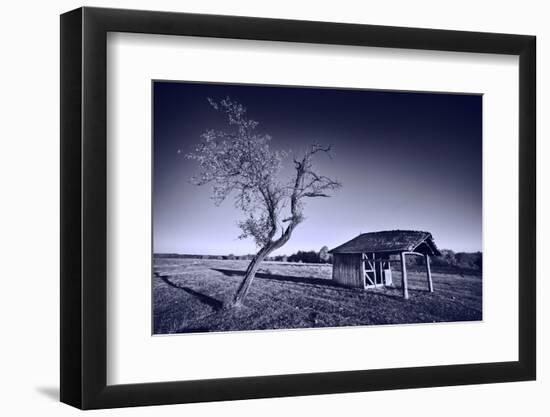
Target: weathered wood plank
347	270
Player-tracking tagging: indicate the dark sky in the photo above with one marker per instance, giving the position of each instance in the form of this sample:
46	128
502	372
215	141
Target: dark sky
405	160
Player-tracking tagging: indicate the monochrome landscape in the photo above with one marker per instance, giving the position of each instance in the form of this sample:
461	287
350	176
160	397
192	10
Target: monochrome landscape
280	207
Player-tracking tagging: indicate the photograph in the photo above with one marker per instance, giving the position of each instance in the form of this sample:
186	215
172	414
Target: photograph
298	207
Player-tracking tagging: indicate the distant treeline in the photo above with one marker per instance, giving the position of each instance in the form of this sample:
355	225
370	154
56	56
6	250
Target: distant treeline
190	256
301	256
464	260
449	260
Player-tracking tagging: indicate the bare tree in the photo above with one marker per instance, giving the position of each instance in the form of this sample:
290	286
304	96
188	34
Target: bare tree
239	162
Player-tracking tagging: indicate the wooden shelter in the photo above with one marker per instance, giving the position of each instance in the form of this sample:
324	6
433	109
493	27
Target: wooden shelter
365	261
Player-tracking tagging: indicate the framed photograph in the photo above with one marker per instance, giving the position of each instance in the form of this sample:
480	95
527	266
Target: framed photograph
256	208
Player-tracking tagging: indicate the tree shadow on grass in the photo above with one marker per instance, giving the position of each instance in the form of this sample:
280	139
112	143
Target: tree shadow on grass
203	298
383	292
285	278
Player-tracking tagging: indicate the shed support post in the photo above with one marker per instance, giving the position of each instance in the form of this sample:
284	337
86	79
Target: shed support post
380	274
404	275
429	273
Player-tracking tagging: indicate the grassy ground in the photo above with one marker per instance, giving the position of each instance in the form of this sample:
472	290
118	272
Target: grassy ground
189	295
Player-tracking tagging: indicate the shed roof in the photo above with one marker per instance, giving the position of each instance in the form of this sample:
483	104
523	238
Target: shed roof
390	241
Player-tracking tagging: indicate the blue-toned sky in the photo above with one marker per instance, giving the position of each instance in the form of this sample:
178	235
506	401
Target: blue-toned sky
405	160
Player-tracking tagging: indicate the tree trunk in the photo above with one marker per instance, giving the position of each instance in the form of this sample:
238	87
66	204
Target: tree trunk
257	260
249	276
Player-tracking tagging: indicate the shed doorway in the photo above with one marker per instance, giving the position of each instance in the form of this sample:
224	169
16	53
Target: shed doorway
377	271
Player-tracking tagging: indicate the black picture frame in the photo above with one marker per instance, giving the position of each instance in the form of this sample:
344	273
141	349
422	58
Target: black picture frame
84	207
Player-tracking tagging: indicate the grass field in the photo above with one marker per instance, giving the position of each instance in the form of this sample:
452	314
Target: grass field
189	296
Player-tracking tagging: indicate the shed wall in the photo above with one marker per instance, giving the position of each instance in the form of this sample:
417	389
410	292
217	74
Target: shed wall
347	270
